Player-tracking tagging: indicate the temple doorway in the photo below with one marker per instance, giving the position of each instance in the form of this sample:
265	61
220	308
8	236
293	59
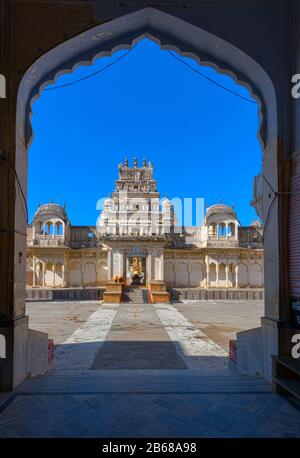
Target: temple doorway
137	270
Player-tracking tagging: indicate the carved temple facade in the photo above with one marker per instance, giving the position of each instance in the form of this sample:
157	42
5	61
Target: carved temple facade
136	240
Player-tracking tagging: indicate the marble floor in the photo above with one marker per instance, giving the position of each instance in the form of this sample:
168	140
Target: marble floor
145	371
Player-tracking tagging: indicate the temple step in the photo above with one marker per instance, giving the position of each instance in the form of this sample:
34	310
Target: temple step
135	295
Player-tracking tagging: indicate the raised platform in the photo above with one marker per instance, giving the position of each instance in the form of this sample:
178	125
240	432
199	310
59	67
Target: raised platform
179	294
65	294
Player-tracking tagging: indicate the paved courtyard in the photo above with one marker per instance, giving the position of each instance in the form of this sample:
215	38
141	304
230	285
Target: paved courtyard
133	370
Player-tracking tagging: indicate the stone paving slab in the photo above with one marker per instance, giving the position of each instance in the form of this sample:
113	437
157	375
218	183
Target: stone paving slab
204	398
195	347
149	415
221	320
79	350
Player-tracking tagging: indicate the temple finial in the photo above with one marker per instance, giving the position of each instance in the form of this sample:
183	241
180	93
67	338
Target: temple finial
135	162
126	162
144	163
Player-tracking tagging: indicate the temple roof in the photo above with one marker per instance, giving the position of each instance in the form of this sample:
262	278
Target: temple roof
219	209
51	210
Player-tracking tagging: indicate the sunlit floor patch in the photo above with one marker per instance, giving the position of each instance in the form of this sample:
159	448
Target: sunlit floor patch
79	350
197	350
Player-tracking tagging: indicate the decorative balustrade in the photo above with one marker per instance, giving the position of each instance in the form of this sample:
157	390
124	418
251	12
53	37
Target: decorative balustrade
89	236
84	236
47	241
251	236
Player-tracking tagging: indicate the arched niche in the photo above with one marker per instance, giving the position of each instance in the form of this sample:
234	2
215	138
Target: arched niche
188	40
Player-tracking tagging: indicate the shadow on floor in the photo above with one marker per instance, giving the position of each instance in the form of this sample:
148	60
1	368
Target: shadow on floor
135	355
138	355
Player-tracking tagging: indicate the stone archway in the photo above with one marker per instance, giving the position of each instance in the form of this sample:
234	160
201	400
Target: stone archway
196	274
243	276
182	275
255	275
75	274
188	40
169	273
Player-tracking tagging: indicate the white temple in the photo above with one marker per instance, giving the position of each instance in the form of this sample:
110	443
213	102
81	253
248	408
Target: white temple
136	239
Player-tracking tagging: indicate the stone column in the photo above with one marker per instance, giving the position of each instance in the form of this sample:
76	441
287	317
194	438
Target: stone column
125	263
115	263
127	268
33	271
207	272
226	274
43	274
121	263
248	277
109	265
63	274
189	276
53	274
13	322
217	274
217	231
82	268
149	267
162	265
236	275
226	229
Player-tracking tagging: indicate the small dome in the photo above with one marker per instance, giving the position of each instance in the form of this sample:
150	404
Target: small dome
51	210
220	208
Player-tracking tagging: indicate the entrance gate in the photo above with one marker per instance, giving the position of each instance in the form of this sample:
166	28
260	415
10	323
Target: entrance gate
204	32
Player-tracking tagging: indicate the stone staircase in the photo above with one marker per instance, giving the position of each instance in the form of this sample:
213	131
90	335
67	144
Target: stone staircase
171	381
135	295
172	403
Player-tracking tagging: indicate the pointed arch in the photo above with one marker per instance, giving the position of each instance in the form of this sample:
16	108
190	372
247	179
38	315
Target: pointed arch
173	34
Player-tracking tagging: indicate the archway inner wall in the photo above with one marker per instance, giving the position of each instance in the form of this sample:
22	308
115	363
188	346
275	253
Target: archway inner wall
194	31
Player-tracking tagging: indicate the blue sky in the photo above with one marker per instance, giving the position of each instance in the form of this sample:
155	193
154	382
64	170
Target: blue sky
201	139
